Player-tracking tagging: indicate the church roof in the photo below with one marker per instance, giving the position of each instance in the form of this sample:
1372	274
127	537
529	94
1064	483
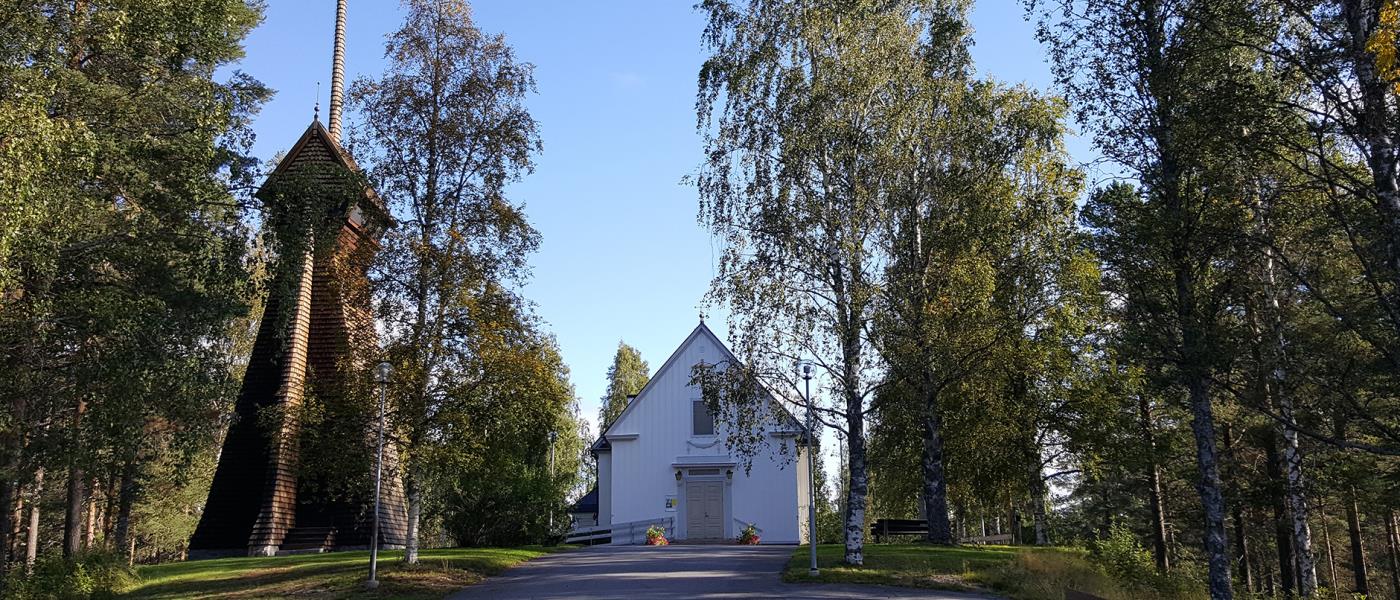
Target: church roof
700	330
588	503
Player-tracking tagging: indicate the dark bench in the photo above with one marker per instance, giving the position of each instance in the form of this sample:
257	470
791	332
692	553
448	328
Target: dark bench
885	527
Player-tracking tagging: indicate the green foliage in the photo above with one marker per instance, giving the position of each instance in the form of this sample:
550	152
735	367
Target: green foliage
1046	575
477	386
626	377
124	160
492	485
88	575
1123	557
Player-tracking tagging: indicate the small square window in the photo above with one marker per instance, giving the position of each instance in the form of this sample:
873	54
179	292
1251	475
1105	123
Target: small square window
702	420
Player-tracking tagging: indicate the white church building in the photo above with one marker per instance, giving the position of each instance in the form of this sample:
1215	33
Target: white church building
665	459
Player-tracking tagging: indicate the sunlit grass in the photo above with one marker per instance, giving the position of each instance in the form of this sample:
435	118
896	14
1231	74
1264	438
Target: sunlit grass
910	565
330	575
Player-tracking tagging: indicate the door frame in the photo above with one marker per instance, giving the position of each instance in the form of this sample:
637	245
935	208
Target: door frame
683	503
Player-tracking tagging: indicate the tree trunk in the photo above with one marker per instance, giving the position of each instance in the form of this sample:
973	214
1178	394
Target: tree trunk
8	493
126	498
860	485
1242	550
31	544
1298	508
73	518
90	538
1212	501
935	481
1376	118
1195	350
1038	502
413	489
1391	542
1237	506
1358	549
1331	561
1154	484
17	527
1283	532
1277	390
1266	572
111	494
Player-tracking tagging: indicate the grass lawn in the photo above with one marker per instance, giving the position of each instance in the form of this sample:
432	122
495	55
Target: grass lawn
330	575
1017	572
910	565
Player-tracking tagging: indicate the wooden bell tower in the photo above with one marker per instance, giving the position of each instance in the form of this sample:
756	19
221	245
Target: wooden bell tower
317	332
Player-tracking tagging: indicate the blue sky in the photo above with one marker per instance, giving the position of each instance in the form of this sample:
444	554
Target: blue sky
623	257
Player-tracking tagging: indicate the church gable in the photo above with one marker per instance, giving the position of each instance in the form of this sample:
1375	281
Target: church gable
671	386
672	377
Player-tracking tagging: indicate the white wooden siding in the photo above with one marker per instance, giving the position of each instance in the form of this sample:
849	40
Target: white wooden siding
654	432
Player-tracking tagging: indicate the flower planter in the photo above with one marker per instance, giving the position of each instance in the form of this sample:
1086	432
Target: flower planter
656	536
749	537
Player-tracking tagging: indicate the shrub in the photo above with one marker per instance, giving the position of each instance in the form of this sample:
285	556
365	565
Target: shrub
1045	574
1131	565
1123	557
90	575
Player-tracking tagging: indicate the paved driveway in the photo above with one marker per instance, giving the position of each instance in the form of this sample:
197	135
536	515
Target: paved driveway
649	573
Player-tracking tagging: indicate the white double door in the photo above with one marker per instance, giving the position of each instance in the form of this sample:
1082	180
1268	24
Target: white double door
704	510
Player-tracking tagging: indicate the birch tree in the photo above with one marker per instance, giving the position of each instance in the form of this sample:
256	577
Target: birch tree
794	106
445	129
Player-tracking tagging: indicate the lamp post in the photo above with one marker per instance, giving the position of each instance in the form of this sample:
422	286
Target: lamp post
382	372
812	571
553	435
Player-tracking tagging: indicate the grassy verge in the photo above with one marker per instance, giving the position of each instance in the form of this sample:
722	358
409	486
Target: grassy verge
1019	573
910	565
324	576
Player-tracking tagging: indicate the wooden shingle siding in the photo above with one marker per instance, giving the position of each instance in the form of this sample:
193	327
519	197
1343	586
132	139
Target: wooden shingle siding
257	497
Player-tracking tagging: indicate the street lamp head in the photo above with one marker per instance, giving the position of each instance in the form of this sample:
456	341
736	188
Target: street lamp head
806	370
553	435
382	372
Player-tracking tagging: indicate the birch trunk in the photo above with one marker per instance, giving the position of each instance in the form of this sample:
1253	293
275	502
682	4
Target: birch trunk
1283	535
1376	116
412	489
1039	499
860	484
1277	390
31	544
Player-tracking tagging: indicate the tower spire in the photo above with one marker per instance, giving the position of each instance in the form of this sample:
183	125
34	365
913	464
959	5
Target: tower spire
338	71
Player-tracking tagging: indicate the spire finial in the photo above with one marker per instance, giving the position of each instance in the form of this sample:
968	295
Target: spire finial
337	71
316	109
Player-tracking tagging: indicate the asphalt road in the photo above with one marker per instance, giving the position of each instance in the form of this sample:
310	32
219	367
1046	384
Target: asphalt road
673	572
